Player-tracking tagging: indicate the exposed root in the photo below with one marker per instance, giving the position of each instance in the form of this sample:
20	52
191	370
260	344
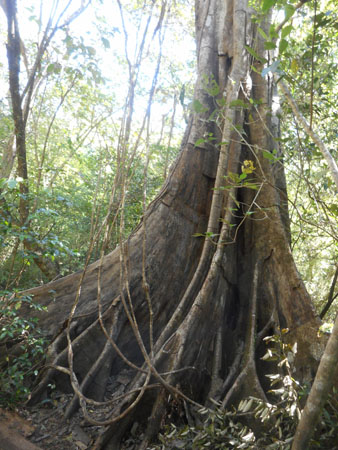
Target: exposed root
248	374
155	419
57	356
100	369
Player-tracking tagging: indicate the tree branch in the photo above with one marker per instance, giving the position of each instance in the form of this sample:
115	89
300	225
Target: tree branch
331	295
314	136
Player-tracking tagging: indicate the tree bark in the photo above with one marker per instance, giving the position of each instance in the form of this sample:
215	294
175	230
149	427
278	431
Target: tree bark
14	45
13	56
319	392
331	296
186	318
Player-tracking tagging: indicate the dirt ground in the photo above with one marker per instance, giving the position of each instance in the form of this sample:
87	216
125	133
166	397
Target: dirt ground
44	427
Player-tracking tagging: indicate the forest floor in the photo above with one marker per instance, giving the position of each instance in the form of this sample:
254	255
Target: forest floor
44	427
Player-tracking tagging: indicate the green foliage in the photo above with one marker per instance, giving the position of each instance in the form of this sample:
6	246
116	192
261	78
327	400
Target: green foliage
235	180
208	138
76	156
310	63
26	343
197	107
210	85
37	233
304	52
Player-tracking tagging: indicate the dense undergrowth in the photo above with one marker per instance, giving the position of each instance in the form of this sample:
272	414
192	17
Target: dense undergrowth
21	348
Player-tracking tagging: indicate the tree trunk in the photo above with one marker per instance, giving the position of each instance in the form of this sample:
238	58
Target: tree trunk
319	392
189	313
15	49
13	56
14	45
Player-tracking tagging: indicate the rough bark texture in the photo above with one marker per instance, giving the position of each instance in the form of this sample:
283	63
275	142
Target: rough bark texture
202	307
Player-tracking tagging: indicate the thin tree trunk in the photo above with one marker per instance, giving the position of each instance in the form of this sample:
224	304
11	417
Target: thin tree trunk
320	389
309	131
8	158
20	114
331	295
13	55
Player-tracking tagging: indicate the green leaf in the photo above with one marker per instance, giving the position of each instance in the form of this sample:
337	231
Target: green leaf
272	32
269	45
54	68
294	66
239	103
267	4
268	155
210	86
50	68
255	55
262	33
283	45
289	11
199	142
234	177
210	234
251	186
3	335
333	209
198	107
221	102
286	31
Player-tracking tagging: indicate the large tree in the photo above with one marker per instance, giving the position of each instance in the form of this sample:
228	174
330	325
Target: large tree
181	308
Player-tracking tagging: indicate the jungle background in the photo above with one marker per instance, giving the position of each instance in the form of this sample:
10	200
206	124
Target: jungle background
104	114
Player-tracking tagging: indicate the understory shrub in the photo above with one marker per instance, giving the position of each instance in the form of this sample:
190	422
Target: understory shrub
21	347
